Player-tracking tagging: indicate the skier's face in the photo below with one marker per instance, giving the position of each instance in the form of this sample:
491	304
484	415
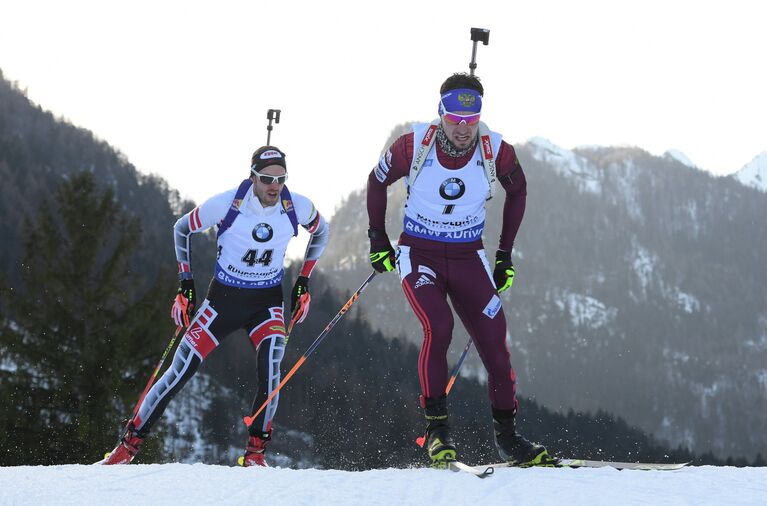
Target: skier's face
268	193
461	135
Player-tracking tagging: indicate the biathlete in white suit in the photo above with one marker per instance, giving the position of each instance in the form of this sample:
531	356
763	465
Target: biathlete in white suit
255	223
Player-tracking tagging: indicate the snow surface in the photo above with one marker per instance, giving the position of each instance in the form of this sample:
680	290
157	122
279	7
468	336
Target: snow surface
205	484
754	173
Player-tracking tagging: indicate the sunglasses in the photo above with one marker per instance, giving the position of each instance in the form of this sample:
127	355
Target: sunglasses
269	179
457	119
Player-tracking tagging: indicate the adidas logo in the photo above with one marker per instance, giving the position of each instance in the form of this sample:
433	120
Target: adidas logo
423	280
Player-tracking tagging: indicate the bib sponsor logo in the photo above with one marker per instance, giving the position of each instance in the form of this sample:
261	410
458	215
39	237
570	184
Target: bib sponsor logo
452	188
228	280
429	134
417	230
428	162
492	307
487	148
263	232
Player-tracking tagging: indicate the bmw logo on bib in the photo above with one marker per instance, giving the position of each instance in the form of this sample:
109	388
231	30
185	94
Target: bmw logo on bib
452	188
263	232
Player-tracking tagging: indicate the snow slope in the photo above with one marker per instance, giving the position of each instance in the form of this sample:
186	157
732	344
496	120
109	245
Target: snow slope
754	173
206	484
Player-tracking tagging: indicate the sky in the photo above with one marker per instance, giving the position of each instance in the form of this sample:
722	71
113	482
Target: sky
182	88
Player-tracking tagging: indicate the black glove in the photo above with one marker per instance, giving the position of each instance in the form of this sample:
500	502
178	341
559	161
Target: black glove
185	303
503	274
300	299
382	255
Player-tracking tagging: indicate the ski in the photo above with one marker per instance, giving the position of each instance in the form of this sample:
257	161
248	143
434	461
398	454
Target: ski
642	466
577	463
478	471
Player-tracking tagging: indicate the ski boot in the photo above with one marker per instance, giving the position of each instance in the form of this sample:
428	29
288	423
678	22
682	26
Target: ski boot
440	446
126	450
513	447
254	451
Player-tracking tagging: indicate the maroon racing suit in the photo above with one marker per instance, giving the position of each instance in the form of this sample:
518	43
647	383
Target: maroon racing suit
433	269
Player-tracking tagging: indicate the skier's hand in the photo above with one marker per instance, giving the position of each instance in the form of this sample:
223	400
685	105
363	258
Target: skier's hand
300	299
503	274
184	304
382	255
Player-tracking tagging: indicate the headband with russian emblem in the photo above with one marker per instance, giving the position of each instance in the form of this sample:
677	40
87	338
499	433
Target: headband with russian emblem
462	100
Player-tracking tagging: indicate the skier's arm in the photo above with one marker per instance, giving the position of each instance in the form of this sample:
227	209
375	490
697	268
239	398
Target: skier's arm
195	221
316	225
394	165
319	229
512	178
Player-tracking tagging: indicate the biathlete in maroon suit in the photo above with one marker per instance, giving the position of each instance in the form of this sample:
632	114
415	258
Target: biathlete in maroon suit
255	223
451	167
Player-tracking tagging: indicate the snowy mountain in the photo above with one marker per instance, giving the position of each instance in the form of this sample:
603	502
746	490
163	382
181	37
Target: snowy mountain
206	484
635	273
680	157
754	173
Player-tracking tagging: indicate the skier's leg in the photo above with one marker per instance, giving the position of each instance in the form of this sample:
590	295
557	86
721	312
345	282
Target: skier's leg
199	340
217	316
424	287
477	303
475	299
268	338
197	343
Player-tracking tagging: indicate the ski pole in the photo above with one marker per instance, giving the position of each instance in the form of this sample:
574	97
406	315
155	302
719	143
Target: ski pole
304	299
477	35
157	369
250	419
421	440
458	366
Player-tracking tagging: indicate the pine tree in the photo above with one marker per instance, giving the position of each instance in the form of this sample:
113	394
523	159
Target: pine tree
77	342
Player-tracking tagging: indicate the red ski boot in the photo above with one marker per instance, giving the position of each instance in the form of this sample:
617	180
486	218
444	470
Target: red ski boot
254	452
125	450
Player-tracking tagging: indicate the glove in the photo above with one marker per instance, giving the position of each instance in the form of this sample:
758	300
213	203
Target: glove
300	299
184	303
382	255
503	275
